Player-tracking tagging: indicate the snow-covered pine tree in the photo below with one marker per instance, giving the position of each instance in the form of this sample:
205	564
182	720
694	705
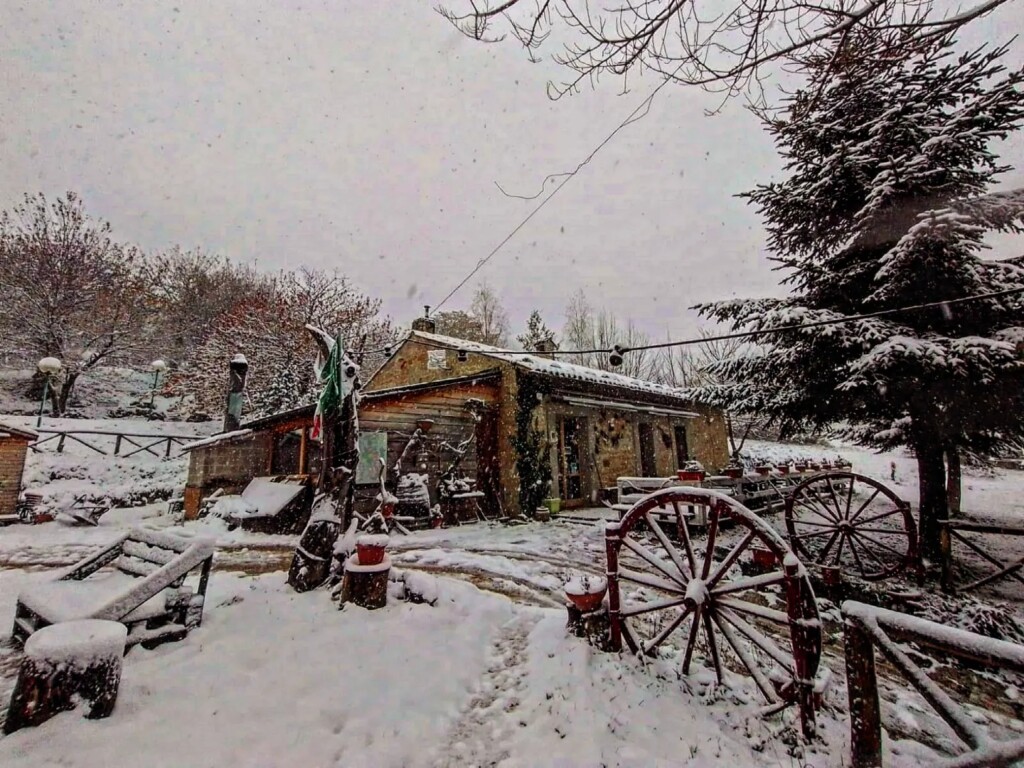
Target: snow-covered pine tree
536	331
886	203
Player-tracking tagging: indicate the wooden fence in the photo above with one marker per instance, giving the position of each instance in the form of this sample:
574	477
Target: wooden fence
866	627
125	443
954	530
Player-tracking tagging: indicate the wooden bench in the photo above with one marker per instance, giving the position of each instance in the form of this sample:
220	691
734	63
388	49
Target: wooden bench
138	580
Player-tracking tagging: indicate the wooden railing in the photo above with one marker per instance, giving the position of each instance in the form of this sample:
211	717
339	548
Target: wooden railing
955	529
866	627
125	443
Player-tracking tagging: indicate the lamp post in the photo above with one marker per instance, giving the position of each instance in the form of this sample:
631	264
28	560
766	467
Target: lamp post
48	366
158	366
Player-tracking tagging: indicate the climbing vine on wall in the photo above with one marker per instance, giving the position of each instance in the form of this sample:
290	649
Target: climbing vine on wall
532	461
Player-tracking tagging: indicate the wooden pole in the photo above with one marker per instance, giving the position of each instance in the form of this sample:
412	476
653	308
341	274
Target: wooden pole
862	691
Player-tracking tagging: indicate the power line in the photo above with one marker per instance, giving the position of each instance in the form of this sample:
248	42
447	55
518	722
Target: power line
737	335
644	106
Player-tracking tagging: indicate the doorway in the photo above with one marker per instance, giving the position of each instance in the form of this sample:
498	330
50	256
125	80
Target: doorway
570	434
648	464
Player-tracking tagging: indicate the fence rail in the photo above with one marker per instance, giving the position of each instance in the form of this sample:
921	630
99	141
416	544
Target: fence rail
125	443
955	529
866	627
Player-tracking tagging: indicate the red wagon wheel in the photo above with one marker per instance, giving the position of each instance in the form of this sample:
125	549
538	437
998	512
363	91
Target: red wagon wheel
692	598
852	522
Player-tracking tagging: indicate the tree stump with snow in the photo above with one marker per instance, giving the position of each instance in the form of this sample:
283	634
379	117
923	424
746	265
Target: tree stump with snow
67	664
365	585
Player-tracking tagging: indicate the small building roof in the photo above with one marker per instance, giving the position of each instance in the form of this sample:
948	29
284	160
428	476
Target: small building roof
546	366
9	430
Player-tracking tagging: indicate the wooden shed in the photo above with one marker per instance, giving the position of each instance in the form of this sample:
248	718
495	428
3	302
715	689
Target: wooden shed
14	442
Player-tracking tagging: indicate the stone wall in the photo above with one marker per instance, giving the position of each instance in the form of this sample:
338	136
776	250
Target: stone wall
12	465
411	364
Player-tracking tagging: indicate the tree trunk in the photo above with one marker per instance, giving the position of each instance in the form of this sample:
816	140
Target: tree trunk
953	481
62	398
934	505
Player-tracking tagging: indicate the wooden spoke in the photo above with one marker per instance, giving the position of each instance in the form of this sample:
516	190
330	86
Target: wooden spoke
684	536
709	636
864	506
760	640
856	557
823	505
667	630
835	499
709	553
873	518
830	526
876	542
883	531
813	534
816	511
762	681
821	556
655	605
849	497
691	641
839	550
750	582
868	551
730	559
649	580
644	553
753	609
672	553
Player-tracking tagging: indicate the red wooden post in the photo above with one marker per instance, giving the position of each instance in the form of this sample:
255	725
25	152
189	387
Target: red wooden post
612	542
801	652
862	690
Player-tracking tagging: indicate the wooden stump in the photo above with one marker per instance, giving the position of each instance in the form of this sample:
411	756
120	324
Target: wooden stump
365	585
67	664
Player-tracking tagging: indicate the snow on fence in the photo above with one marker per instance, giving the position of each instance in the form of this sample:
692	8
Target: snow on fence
125	443
865	627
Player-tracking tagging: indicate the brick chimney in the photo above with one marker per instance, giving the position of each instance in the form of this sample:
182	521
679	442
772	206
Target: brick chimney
238	369
424	324
546	348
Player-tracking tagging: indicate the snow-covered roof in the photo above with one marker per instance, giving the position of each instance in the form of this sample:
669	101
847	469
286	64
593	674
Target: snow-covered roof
547	366
9	430
221	437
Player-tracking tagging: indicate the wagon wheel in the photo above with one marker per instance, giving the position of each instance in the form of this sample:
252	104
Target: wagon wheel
852	522
689	597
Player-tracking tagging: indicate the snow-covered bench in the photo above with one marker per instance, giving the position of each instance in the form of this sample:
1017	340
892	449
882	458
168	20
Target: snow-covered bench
144	589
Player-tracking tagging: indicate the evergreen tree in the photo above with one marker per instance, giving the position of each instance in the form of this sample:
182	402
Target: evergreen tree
536	332
885	206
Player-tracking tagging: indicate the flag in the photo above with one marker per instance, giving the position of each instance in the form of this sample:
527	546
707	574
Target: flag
334	387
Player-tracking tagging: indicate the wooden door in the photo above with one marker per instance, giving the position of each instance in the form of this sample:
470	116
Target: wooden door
488	465
570	461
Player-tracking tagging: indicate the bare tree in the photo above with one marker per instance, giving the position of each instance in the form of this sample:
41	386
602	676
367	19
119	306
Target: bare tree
69	291
721	45
488	311
587	331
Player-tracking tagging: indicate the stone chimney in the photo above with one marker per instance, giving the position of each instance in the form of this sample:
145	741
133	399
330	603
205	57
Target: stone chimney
424	324
546	348
238	369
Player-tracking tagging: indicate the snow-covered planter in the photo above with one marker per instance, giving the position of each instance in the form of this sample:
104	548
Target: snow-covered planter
692	471
586	592
370	549
783	469
764	469
733	471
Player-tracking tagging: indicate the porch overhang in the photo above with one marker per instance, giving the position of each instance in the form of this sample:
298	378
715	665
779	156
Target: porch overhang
622	405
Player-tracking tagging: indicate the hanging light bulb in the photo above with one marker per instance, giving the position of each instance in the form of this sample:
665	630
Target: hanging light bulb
615	358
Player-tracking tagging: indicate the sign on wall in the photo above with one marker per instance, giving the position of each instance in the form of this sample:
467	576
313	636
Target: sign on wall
373	446
437	359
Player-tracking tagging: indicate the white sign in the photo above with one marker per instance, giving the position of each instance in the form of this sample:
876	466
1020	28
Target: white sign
437	359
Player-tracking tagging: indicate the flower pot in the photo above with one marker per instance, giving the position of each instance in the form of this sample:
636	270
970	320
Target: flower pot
783	469
800	466
734	472
542	514
763	558
553	505
691	476
436	522
587	597
764	470
370	549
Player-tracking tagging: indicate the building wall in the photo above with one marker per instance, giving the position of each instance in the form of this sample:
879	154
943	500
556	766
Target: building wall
410	365
12	466
229	466
708	438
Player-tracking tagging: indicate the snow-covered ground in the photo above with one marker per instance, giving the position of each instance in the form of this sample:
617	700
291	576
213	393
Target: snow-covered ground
487	676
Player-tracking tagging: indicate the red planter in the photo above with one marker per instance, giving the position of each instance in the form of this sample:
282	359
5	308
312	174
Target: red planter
689	476
588	603
765	470
783	469
436	522
801	467
370	554
763	558
733	472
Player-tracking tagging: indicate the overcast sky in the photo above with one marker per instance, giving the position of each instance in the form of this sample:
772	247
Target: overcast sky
368	137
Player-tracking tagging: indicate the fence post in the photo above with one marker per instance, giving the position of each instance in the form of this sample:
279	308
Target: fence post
862	690
167	453
60	443
117	445
946	555
798	628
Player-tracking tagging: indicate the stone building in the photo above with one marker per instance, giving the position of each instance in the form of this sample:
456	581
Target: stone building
472	400
13	448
